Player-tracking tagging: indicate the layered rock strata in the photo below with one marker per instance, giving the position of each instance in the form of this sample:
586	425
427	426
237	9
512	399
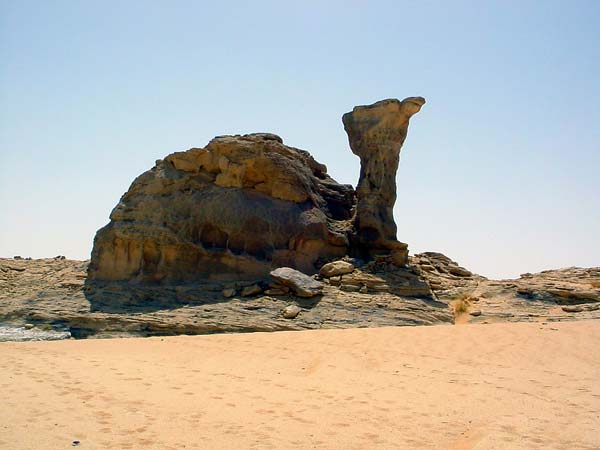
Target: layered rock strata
49	296
376	133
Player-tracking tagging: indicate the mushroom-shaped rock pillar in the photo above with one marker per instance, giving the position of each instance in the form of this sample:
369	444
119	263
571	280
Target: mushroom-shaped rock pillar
376	133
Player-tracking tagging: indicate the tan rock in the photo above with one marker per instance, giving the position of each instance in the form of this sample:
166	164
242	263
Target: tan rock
376	133
336	268
459	271
290	312
299	283
233	209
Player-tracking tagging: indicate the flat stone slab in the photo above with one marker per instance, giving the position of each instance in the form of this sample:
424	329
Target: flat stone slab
301	284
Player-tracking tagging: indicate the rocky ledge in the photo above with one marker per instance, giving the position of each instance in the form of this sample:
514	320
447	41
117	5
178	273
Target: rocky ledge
551	295
50	295
244	205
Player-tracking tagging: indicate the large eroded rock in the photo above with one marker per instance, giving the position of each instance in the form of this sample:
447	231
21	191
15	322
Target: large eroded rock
244	205
236	208
376	133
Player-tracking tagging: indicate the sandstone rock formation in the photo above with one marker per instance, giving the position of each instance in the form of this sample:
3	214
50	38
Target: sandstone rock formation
231	210
244	205
376	133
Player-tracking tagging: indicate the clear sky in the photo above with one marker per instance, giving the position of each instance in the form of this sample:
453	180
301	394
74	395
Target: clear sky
500	171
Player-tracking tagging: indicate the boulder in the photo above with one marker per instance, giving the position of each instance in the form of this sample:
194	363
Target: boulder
231	210
336	268
290	312
300	284
376	133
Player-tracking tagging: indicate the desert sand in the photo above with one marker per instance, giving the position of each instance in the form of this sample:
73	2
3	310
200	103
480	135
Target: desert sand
497	386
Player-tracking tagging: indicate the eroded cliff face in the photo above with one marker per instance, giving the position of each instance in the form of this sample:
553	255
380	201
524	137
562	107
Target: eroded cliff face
376	133
233	209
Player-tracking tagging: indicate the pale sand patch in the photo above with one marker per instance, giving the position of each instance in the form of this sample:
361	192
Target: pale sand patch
501	386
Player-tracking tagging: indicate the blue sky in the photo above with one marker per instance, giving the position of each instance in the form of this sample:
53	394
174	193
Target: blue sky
500	171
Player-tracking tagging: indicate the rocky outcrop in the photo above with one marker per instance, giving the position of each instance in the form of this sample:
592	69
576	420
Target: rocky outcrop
47	299
569	293
244	205
231	210
381	275
49	295
376	133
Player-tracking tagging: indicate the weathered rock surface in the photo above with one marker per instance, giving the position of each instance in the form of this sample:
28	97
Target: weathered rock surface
301	285
336	268
190	245
244	205
383	275
251	290
563	294
50	295
290	312
234	209
376	133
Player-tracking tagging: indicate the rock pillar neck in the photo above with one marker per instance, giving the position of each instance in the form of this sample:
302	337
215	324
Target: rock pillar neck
376	133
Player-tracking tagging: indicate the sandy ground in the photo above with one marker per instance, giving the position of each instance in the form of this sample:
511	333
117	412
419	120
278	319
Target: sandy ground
498	386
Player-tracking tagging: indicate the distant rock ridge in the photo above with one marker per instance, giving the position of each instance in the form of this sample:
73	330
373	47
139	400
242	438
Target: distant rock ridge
245	205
